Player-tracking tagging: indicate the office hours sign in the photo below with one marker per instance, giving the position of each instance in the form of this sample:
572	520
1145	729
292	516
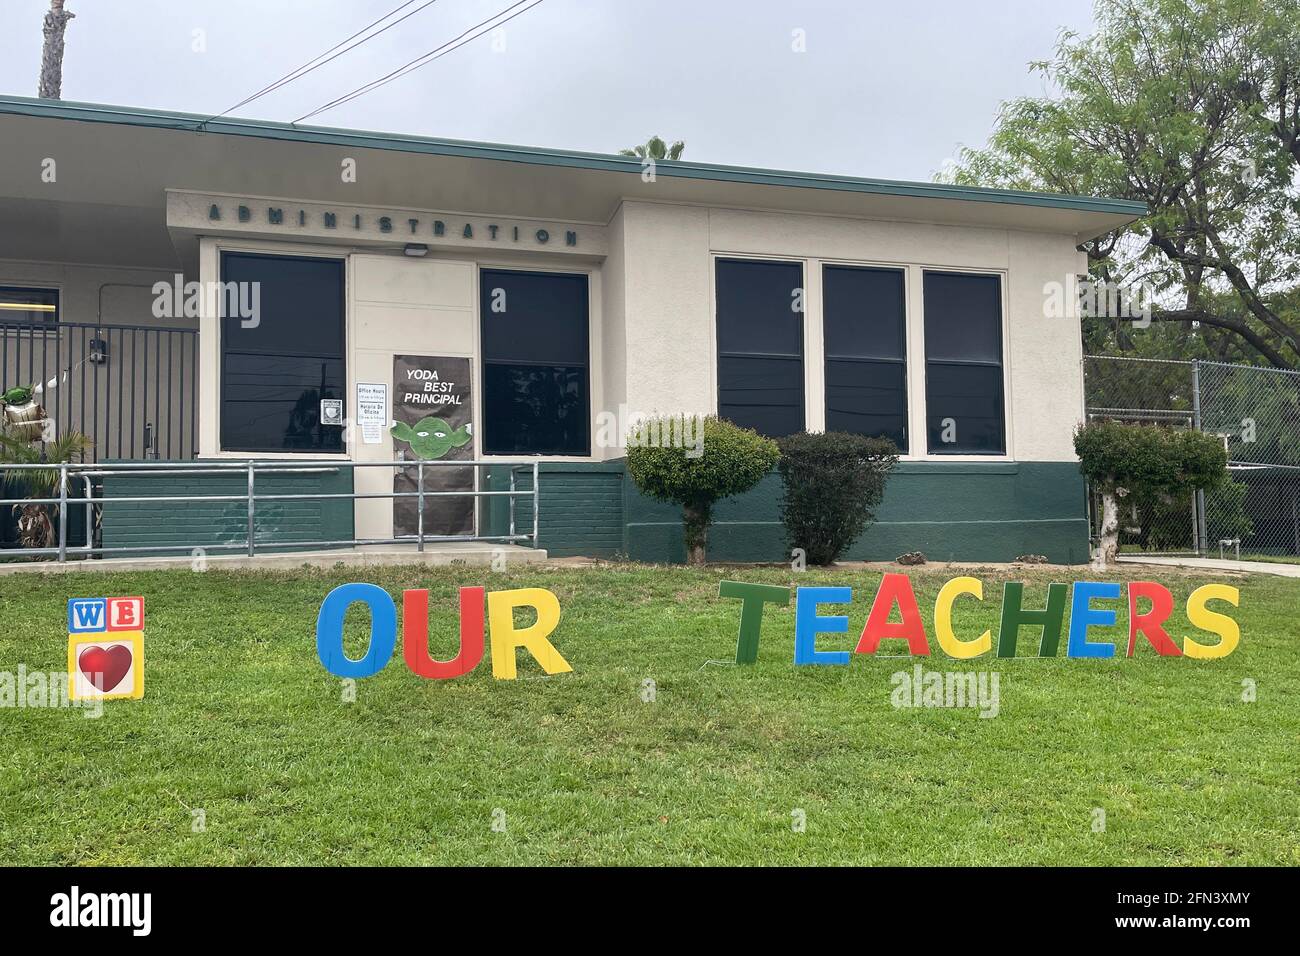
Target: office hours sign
433	421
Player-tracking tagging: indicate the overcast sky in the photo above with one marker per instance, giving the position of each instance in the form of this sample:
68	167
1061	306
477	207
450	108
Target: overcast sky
884	89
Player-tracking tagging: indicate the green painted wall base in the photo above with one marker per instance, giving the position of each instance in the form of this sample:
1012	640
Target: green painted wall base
190	525
955	511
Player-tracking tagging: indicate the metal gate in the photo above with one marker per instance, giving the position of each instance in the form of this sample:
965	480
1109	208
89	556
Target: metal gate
131	389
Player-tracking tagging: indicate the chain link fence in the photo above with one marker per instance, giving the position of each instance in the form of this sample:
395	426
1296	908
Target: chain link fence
1255	514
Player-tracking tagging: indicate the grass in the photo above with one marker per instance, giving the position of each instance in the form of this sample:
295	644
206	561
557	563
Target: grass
1268	558
241	721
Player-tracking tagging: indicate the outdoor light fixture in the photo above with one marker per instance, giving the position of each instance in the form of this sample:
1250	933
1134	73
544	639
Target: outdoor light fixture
416	249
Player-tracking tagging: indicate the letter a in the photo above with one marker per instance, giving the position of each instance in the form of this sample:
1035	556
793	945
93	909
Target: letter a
894	589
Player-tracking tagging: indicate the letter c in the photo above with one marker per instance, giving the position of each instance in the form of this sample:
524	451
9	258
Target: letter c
953	646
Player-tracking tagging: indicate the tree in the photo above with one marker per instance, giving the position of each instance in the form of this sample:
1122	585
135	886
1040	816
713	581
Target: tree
1192	107
833	483
655	148
1147	460
724	460
56	23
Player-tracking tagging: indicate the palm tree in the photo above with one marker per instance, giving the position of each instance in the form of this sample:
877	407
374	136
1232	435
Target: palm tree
655	148
51	78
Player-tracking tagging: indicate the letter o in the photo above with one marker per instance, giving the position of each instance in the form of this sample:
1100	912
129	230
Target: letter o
329	630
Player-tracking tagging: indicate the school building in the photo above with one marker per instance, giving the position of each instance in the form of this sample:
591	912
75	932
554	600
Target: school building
217	289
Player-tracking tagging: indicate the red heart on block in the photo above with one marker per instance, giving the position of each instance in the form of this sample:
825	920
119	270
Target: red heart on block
105	667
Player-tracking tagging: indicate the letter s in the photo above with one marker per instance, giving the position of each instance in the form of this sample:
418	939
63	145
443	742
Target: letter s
1227	629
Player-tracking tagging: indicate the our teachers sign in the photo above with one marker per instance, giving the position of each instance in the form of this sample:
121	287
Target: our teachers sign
433	420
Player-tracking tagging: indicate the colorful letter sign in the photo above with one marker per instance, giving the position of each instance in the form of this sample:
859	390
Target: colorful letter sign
105	648
895	596
506	638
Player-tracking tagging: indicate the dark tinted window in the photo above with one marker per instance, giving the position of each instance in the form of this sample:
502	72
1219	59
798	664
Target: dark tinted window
28	305
281	359
963	317
760	344
864	323
963	368
536	391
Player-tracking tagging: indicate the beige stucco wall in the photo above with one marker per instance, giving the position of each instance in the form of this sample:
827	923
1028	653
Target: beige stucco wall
669	362
400	306
395	305
667	310
652	325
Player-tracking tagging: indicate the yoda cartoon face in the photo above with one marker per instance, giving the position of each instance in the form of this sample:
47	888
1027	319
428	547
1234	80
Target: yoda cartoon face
431	438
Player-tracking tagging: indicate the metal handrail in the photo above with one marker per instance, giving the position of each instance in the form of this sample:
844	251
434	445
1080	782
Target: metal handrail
252	468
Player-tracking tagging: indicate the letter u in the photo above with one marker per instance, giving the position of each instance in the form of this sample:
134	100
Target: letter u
415	634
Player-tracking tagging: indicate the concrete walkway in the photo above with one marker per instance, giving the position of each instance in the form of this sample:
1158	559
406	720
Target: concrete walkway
1215	564
474	553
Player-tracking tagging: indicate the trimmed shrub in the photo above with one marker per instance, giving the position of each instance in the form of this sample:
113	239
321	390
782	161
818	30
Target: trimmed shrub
1154	463
708	460
833	483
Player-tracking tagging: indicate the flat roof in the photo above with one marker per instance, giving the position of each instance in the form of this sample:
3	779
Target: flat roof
538	156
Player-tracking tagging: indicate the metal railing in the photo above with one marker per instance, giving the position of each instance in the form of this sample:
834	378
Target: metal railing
88	473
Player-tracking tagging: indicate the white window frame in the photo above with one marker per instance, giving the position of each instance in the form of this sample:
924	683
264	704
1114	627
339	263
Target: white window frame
210	326
595	381
914	305
51	328
811	305
917	319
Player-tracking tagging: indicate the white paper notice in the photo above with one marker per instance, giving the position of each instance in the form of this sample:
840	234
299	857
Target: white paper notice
372	411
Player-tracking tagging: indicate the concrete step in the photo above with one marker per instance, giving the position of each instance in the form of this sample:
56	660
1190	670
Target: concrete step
473	553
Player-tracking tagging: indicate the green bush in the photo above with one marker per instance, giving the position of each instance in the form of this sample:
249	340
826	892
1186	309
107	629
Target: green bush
1173	461
1157	465
695	462
833	484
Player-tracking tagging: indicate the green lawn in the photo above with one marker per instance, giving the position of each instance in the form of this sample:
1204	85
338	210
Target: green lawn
1269	558
241	721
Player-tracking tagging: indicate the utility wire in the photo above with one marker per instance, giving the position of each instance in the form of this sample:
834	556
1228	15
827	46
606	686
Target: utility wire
326	57
427	58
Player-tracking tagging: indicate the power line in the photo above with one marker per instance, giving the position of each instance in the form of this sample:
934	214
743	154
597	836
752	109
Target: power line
325	57
427	58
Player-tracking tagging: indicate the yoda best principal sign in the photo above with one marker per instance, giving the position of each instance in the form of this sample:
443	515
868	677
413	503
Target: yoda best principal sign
433	421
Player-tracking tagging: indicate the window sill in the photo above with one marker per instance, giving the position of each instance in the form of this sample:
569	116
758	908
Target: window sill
960	466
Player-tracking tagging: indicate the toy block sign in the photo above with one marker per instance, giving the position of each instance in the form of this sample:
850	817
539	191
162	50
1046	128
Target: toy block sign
126	614
106	648
87	615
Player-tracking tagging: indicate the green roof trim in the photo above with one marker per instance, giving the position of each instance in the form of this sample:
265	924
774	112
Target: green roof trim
401	142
